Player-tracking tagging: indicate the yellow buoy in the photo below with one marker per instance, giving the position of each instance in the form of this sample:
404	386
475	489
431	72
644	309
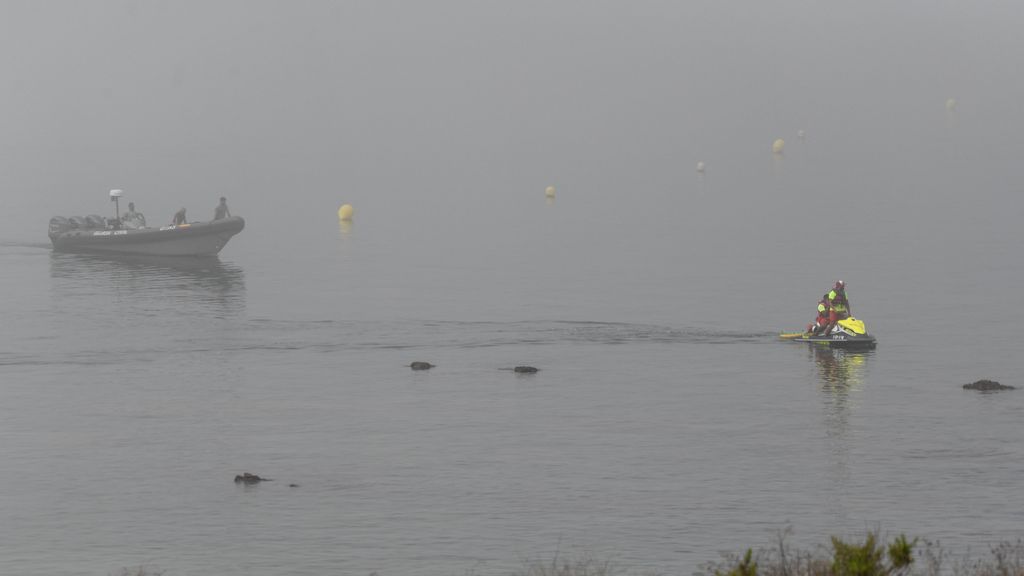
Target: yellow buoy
951	104
549	191
778	145
345	212
700	167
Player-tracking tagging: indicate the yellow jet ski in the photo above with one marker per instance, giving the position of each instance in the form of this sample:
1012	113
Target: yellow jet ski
847	333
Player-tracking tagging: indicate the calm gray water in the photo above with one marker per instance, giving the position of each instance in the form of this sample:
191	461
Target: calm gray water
667	423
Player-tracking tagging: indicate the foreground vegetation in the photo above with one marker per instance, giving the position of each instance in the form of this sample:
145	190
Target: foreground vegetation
872	556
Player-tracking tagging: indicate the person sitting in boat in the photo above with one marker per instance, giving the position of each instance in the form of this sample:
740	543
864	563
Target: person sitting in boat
821	321
132	219
221	211
838	304
179	217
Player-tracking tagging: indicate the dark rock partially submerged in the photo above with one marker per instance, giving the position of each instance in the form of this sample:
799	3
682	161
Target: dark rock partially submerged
421	365
987	386
525	370
250	479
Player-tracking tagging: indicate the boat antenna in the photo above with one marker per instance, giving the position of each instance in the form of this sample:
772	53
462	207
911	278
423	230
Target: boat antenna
114	195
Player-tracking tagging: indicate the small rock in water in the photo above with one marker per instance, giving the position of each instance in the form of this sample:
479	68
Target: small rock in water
421	365
249	479
525	369
987	386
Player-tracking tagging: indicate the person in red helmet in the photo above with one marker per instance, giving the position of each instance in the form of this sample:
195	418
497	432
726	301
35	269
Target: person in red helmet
838	305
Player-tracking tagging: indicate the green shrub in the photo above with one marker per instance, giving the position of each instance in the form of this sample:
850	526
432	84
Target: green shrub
868	559
745	567
901	553
858	559
872	557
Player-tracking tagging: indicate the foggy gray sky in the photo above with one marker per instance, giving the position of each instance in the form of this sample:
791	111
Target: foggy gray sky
379	102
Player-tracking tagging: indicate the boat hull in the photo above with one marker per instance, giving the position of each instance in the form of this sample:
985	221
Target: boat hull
860	341
196	239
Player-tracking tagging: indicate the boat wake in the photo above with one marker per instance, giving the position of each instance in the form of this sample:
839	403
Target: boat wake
468	335
334	336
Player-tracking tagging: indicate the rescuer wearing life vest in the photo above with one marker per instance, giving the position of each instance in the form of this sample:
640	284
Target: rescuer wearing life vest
822	320
838	304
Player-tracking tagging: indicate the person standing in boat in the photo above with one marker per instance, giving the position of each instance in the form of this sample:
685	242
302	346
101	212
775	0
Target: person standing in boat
221	211
132	219
179	217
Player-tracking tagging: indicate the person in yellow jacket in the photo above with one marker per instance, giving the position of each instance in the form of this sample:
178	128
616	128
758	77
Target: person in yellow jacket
838	304
821	320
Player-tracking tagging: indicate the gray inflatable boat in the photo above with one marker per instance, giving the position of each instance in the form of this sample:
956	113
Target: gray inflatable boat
98	235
